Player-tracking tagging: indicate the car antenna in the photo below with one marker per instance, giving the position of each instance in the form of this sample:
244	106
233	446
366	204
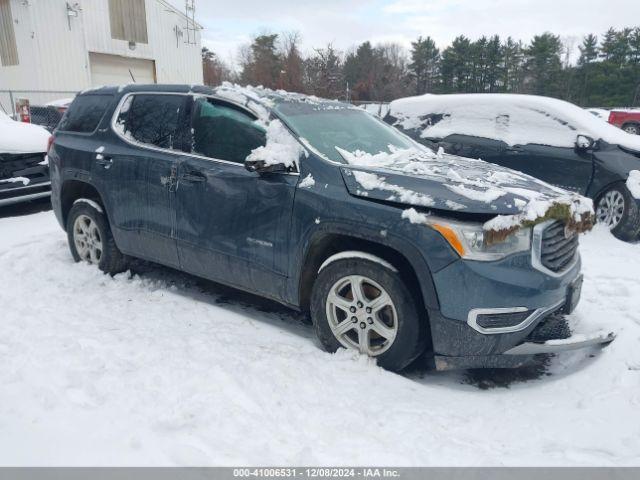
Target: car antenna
132	77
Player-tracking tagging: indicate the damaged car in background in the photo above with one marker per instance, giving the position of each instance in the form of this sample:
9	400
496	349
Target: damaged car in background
394	250
24	174
550	139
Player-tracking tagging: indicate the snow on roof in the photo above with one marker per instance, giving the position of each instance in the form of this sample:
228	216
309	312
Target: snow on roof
17	137
63	102
513	119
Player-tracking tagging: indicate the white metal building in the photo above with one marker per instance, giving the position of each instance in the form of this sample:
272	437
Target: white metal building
69	46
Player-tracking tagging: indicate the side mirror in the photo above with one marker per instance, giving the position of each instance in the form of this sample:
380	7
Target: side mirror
584	142
260	166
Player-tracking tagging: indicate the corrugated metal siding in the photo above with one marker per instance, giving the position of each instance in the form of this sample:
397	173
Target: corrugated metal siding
128	20
8	48
57	58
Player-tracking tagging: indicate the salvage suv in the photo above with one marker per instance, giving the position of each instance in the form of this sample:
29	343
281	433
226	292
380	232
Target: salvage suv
393	249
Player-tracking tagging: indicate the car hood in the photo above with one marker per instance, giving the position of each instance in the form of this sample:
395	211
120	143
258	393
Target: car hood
420	178
17	137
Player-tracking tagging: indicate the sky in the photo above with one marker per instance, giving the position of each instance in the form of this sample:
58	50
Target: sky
345	23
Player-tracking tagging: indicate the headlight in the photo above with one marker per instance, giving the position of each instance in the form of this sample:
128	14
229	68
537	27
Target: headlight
469	240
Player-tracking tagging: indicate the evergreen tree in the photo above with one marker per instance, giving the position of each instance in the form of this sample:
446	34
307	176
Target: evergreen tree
588	50
543	64
512	66
608	47
425	57
494	64
263	64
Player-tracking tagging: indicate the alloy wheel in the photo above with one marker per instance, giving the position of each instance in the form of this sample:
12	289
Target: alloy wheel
632	129
362	315
610	209
87	239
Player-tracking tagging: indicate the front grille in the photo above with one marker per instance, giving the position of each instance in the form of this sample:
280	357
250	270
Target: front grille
557	251
554	327
23	166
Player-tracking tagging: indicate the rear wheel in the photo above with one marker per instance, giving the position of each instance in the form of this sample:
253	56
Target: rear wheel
617	209
91	241
632	128
363	305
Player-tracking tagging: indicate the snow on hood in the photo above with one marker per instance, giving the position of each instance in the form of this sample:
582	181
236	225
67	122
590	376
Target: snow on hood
422	178
513	119
18	137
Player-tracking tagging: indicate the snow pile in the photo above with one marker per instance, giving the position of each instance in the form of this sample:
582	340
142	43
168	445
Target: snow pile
23	180
281	147
254	98
371	181
307	182
513	119
168	370
415	217
18	137
473	179
575	210
633	183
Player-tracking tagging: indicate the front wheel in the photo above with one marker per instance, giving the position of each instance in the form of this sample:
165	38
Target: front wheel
617	209
363	305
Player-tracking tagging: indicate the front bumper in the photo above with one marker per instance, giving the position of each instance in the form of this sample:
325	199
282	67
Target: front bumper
498	314
524	354
23	177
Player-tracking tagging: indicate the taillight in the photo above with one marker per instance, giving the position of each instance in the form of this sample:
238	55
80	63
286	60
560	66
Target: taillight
49	144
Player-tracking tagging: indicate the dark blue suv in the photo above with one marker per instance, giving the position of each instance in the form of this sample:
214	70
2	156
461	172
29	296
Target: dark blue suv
393	249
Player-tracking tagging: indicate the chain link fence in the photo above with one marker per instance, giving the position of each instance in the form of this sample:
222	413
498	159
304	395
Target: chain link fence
46	107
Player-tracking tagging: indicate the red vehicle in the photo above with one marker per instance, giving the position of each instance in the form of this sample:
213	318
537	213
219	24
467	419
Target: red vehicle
627	120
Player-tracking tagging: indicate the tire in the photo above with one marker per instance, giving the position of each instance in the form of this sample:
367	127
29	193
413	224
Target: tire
400	315
86	223
628	227
632	128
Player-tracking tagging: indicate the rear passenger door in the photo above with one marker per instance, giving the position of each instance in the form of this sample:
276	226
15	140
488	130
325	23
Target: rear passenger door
140	171
232	225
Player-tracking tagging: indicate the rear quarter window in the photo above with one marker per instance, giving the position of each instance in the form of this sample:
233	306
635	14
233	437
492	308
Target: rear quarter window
85	113
153	119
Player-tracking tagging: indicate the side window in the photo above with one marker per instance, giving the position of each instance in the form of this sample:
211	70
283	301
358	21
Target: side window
84	114
153	119
224	132
529	126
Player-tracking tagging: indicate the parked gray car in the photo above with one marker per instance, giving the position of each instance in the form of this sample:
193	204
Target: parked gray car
395	251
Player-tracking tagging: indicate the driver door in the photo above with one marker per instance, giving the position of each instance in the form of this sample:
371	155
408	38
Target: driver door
232	225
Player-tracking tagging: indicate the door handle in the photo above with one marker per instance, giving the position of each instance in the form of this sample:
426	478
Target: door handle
513	150
104	160
193	177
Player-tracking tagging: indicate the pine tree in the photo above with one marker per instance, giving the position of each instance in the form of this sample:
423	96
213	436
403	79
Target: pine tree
424	64
608	47
588	50
494	62
543	64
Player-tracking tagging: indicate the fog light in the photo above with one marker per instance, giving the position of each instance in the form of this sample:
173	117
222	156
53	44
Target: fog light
502	320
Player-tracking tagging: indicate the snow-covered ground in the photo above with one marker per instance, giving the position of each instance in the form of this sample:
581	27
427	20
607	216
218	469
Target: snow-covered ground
160	368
